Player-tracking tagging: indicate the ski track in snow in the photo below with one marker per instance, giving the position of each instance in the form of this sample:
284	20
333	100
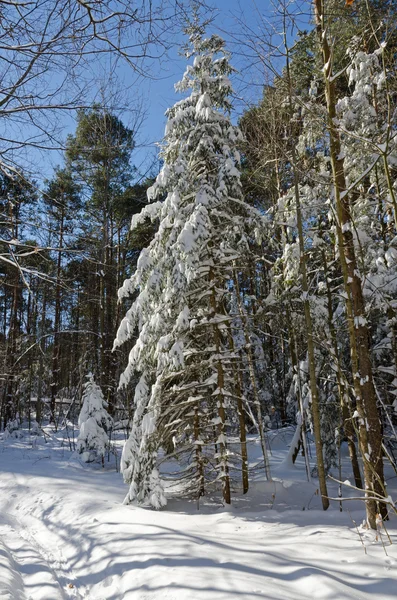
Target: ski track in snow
64	534
39	571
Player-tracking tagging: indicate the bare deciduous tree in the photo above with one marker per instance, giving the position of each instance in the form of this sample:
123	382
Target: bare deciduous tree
50	48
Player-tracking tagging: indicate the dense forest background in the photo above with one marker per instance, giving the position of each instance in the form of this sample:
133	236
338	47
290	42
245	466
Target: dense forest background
312	300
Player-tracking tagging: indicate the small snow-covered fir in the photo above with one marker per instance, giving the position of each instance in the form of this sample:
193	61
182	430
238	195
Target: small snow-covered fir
94	422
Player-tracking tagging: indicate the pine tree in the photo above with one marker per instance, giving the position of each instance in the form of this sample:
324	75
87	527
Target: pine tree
184	279
94	422
17	197
99	156
62	201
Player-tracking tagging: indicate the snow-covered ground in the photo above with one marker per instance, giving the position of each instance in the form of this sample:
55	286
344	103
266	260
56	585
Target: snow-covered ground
64	533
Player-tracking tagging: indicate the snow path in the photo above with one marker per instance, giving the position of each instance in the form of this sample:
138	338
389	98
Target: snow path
64	533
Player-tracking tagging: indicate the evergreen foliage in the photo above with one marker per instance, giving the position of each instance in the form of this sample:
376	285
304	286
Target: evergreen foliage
94	421
184	281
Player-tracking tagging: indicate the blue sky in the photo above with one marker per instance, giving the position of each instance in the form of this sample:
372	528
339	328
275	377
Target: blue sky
234	20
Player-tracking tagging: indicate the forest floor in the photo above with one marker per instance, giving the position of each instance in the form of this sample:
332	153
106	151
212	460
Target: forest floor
64	533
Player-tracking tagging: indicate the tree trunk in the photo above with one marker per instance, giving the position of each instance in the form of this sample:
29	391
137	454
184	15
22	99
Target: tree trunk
221	441
253	379
369	424
345	404
315	402
57	320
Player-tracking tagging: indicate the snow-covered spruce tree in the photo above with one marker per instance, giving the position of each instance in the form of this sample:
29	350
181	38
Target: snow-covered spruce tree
94	422
181	315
